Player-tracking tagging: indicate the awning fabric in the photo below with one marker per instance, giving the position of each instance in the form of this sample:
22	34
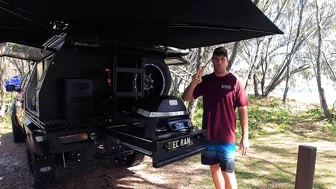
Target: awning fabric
182	24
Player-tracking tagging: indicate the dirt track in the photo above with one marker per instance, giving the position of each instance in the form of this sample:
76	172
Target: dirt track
14	173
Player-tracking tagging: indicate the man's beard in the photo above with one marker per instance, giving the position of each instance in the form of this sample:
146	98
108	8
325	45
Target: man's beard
220	70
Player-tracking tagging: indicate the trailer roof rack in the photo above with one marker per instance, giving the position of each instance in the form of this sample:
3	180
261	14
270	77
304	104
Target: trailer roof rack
24	52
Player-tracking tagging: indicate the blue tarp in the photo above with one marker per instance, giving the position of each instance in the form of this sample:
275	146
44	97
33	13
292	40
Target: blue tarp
16	80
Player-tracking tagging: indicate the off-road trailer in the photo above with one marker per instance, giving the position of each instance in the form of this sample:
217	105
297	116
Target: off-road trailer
87	99
92	86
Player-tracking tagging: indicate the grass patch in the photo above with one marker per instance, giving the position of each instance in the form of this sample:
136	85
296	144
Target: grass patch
276	130
5	125
272	160
207	183
265	115
312	123
4	131
194	159
272	163
271	115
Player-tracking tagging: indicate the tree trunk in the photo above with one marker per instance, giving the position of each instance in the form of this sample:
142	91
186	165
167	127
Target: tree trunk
255	85
254	66
233	55
3	101
329	66
264	68
323	101
192	108
18	64
272	86
287	85
3	89
249	76
176	86
289	58
193	103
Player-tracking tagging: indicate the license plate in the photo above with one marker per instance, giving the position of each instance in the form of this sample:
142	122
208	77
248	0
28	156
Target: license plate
175	144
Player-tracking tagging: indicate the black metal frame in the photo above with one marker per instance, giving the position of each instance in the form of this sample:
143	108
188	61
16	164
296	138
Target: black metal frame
118	46
158	150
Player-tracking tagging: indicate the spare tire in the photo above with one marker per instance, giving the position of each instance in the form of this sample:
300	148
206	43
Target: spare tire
157	79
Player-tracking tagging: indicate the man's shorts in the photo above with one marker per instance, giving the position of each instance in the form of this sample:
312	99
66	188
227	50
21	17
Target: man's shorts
222	153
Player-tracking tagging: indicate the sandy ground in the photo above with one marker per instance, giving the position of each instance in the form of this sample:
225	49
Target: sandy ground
98	174
276	154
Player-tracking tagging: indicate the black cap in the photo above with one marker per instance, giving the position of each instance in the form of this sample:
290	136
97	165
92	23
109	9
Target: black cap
220	51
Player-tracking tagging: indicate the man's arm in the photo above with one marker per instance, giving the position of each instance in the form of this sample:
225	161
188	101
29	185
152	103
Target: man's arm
244	143
196	79
188	93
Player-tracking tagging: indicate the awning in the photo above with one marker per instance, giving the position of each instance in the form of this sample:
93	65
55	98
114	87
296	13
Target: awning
181	24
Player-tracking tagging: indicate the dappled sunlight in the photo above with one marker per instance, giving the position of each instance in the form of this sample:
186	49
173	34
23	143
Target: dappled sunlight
153	177
169	175
272	161
265	172
251	183
323	145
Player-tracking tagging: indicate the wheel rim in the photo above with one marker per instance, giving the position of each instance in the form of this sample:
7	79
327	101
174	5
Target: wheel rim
154	80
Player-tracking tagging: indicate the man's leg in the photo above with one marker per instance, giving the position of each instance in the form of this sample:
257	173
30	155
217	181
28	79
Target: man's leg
209	157
217	176
230	180
227	163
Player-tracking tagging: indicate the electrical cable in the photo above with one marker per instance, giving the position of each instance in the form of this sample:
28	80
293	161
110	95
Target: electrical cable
102	155
105	176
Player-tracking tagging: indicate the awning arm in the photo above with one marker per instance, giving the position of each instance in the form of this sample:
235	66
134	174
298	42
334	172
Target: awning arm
17	11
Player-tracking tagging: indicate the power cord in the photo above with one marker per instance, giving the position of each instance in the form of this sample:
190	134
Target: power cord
105	176
102	155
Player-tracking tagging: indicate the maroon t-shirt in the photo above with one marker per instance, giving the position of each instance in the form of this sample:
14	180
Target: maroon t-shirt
221	97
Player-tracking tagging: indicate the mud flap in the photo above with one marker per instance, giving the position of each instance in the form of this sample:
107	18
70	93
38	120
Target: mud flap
36	147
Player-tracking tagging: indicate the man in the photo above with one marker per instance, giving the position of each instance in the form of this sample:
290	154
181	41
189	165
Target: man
222	93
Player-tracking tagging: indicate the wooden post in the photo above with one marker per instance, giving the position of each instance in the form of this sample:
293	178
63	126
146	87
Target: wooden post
305	167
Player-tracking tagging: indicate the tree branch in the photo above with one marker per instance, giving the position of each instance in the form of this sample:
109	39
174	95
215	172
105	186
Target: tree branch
329	66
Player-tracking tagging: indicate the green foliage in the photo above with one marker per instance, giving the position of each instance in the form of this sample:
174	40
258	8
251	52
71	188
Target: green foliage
200	102
10	97
268	115
179	95
6	121
284	127
263	111
260	112
330	127
315	113
198	113
5	124
198	118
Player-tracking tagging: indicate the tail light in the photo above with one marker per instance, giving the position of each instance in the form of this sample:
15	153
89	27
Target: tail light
74	138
